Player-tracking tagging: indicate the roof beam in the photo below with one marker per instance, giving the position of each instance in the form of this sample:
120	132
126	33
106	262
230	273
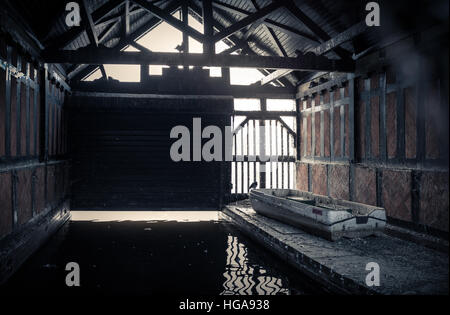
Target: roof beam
71	35
208	28
308	62
107	31
230	8
247	21
84	70
341	38
117	17
290	30
185	19
277	74
273	24
89	25
325	47
239	43
126	18
316	29
167	17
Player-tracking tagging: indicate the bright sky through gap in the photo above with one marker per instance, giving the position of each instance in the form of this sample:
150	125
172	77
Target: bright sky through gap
164	38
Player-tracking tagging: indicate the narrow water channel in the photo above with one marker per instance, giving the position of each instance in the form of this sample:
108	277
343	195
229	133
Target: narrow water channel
182	253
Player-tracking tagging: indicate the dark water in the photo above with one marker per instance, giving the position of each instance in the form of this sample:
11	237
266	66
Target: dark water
156	257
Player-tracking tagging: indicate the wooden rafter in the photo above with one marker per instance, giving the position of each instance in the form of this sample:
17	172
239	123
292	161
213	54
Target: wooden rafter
89	25
71	35
126	18
83	70
238	43
316	29
118	16
208	27
308	62
185	19
247	21
273	24
162	14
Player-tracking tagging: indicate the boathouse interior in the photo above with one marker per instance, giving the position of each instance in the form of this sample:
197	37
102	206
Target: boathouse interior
315	95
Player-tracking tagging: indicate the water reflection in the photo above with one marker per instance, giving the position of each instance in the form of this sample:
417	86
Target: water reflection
144	253
246	278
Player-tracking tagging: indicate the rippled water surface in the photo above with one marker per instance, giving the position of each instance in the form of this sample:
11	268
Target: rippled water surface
156	253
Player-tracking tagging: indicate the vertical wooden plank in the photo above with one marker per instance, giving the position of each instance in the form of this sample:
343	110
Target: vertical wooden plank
23	114
298	142
243	159
28	113
276	154
262	144
282	154
254	150
19	106
3	116
8	134
288	163
208	31
351	118
368	123
383	120
271	154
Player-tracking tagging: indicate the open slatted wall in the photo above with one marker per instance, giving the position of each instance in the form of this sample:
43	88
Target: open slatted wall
252	140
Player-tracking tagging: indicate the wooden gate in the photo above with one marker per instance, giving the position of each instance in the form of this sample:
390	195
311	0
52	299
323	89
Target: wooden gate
263	151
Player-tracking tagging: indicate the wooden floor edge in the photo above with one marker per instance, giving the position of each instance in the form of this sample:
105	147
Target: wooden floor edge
19	246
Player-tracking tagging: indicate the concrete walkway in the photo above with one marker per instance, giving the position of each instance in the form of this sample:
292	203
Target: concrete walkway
405	267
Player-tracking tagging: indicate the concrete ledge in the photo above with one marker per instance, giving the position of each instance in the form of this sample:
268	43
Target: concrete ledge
17	247
405	267
426	240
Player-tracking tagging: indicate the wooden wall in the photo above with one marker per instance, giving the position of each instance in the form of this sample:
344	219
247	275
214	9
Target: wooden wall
33	172
121	153
379	138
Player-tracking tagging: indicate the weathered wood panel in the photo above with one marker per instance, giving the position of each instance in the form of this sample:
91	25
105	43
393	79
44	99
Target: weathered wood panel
121	154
